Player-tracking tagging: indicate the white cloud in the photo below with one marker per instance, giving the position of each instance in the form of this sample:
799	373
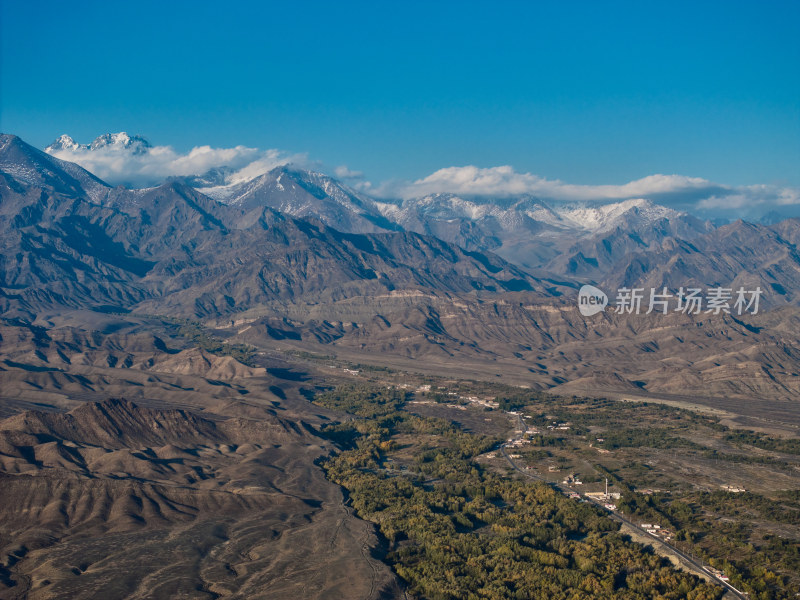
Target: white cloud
504	181
677	191
121	159
150	166
752	198
268	160
344	172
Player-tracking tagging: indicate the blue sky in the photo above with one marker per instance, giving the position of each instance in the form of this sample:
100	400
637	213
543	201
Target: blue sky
583	92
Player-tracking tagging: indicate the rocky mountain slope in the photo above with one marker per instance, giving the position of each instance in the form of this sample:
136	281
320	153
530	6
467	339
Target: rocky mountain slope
174	249
737	255
303	194
609	243
580	239
265	277
22	166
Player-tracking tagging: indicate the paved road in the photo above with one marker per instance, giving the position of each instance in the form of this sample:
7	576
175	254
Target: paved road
699	567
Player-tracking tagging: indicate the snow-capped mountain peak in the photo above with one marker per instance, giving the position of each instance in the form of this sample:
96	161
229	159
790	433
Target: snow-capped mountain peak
581	218
134	144
300	193
603	217
63	142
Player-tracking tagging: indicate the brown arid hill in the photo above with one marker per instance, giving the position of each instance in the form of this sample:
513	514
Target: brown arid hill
201	484
114	424
195	361
551	346
114	499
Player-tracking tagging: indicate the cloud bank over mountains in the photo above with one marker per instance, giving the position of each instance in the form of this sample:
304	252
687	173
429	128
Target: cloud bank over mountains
676	191
121	159
504	181
127	160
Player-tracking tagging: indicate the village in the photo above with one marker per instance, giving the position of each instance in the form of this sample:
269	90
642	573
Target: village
556	450
522	439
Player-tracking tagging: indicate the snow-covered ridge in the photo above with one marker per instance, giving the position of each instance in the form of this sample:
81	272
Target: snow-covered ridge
608	216
579	217
285	180
300	192
134	144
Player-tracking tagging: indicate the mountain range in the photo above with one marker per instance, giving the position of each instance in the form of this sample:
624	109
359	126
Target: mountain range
299	259
634	243
71	240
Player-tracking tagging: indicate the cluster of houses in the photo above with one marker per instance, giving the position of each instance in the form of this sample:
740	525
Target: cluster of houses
606	499
654	529
518	442
426	388
734	489
559	426
485	402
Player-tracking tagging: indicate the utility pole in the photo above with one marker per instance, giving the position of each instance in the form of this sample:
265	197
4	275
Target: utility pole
606	488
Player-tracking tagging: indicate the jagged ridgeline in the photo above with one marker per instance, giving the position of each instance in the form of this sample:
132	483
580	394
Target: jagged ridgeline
70	240
296	256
